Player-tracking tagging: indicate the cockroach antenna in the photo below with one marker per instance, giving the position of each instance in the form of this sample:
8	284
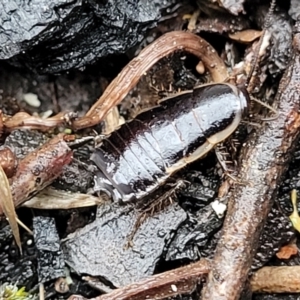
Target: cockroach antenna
254	64
267	23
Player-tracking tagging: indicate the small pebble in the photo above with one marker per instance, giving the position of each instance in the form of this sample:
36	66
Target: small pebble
32	100
219	208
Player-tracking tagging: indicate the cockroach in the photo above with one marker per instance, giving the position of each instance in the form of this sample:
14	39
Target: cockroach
143	153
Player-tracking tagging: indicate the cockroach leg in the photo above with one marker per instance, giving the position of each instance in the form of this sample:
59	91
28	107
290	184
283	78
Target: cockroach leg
221	160
227	172
156	205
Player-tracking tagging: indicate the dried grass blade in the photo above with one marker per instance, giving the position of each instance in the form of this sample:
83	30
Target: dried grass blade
8	207
50	198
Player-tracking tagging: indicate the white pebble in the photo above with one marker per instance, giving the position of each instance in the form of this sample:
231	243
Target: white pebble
32	100
174	287
219	208
46	114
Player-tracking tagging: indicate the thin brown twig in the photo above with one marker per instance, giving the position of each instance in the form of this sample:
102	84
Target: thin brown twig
125	81
39	168
263	161
130	75
284	279
179	281
24	120
185	280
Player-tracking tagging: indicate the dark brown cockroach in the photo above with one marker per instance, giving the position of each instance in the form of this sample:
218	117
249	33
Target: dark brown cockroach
143	153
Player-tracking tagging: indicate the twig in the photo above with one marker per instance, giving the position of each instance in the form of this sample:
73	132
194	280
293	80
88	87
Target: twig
276	280
130	75
24	120
185	280
125	81
263	161
39	169
179	281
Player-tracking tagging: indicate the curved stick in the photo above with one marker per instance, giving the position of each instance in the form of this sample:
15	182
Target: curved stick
130	75
126	80
264	159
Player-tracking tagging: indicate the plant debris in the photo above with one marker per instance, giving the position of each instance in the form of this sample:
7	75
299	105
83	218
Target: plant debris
8	207
12	292
50	198
276	280
294	217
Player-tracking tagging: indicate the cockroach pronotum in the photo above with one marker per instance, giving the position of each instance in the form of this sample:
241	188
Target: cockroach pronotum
143	153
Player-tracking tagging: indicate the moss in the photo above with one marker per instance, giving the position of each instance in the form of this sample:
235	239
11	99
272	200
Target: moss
12	292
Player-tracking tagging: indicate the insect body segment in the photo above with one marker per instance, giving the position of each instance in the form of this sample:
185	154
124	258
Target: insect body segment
139	157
